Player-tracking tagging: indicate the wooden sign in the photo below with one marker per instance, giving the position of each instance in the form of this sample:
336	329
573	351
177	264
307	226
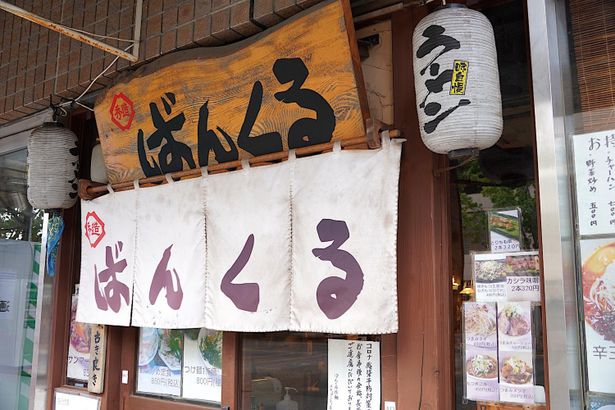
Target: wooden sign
98	353
295	85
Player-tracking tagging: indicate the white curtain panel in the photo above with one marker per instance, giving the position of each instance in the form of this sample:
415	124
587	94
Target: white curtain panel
344	219
248	248
107	258
169	289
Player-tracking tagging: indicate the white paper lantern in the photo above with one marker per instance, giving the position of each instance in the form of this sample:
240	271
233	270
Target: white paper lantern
53	162
456	80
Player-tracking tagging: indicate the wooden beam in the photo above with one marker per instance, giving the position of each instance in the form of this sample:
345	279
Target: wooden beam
67	31
424	342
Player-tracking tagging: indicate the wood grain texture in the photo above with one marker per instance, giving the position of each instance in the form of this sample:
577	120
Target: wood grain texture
425	366
323	37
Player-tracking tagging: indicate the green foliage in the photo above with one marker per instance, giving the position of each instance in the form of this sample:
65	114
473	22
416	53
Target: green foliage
474	218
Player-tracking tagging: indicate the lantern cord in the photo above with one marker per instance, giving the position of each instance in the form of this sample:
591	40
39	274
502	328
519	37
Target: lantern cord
76	100
441	171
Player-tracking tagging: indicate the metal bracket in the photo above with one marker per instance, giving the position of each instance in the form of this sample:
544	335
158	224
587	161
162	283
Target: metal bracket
81	36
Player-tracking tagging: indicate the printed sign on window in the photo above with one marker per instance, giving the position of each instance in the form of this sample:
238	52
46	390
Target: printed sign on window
354	375
594	164
481	351
78	364
504	229
516	355
160	361
202	368
107	258
169	289
598	280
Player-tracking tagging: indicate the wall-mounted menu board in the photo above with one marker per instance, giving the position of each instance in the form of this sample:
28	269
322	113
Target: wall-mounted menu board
594	162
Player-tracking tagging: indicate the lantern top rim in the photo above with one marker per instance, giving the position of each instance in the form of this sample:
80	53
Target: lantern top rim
52	124
451	6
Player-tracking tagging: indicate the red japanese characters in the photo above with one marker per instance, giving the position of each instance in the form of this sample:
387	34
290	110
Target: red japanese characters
122	111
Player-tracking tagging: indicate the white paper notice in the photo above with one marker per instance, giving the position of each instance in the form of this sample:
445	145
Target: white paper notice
598	273
354	375
202	370
594	162
72	401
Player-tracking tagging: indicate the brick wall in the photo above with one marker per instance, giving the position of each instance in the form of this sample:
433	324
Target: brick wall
36	62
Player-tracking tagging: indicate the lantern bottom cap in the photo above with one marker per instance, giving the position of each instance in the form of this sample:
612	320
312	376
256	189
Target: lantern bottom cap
463	153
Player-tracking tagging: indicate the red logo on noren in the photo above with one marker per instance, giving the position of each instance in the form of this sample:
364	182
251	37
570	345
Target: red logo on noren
94	229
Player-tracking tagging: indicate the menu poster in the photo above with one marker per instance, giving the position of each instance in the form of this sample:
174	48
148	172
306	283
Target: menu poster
202	369
516	377
523	276
481	351
78	364
598	402
504	229
515	348
489	271
160	358
594	163
515	326
598	279
354	375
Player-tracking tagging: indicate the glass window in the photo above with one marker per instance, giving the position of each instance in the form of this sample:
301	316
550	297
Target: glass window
588	29
20	230
273	362
498	344
18	221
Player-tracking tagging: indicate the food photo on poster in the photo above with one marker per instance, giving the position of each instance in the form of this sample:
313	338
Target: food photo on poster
202	367
523	276
160	361
489	276
481	365
598	282
601	402
515	352
78	364
505	229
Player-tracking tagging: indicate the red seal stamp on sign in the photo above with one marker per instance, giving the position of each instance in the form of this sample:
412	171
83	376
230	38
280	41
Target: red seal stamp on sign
122	111
94	229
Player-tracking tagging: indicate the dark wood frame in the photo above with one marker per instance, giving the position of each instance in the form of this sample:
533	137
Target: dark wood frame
417	363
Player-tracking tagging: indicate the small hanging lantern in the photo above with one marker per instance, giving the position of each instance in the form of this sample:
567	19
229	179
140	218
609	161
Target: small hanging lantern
457	81
53	162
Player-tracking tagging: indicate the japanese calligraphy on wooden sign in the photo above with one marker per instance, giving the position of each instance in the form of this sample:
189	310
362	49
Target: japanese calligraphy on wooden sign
297	85
594	162
98	353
